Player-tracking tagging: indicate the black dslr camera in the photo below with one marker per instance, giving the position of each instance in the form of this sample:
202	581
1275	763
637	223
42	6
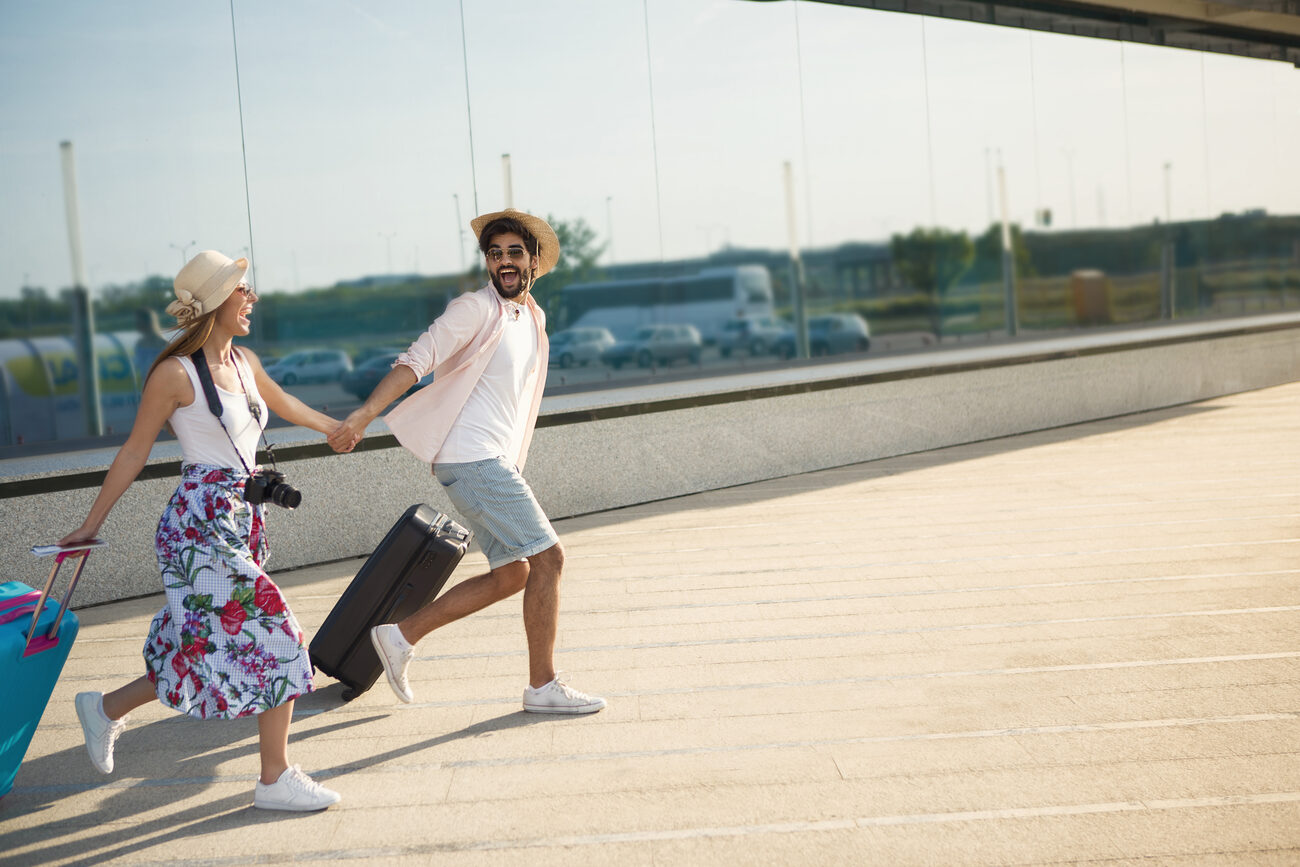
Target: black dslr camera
269	486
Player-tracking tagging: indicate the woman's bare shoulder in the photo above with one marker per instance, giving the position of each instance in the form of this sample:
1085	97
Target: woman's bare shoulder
170	380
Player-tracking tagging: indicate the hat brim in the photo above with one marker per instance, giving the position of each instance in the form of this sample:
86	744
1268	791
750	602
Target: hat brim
225	281
548	242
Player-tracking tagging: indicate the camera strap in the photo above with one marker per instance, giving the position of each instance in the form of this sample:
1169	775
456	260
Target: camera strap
216	408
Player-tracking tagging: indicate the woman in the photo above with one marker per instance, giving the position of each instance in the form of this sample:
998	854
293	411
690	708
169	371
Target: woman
226	644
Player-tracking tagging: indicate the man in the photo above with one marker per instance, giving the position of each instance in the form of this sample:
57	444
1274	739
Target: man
474	423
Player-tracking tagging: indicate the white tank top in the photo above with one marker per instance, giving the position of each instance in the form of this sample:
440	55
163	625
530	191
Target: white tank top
202	440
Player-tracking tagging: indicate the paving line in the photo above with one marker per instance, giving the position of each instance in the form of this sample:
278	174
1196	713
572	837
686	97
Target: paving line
996	588
513	699
903	594
868	633
1023	731
857	633
981	672
877	564
884	564
1010	531
846	597
621	755
738	831
822	504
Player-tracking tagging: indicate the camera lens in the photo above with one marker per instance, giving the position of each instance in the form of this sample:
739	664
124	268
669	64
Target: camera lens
285	495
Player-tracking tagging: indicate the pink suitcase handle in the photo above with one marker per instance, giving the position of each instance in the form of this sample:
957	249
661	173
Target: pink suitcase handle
12	609
37	643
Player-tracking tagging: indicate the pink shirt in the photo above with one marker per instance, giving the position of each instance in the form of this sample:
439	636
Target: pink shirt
457	348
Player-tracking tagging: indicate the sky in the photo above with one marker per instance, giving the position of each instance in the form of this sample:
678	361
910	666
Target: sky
362	137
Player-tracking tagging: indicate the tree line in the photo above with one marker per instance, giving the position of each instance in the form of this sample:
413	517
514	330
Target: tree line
930	261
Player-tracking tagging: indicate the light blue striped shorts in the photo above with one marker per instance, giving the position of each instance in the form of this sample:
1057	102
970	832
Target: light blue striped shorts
499	507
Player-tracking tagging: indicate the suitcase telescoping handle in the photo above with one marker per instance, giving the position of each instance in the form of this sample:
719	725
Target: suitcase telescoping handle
35	644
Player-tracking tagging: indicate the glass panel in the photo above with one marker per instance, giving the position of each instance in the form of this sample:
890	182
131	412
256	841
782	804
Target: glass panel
568	136
1140	183
1247	257
358	161
148	102
727	125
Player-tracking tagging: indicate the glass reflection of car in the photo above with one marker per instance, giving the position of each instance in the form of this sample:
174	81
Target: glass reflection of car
579	345
830	334
656	344
310	365
756	335
363	378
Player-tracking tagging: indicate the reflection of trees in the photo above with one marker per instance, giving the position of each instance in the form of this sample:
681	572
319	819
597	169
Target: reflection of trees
578	254
987	266
1233	255
35	313
932	260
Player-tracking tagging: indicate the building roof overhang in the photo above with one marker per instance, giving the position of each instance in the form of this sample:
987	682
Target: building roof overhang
1264	29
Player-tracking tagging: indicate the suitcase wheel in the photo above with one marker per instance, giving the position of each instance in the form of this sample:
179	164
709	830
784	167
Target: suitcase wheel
349	693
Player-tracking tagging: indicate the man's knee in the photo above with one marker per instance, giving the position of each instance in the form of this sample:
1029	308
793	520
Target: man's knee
550	561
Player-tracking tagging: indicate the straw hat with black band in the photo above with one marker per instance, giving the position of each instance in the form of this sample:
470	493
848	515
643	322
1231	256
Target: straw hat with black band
204	284
548	252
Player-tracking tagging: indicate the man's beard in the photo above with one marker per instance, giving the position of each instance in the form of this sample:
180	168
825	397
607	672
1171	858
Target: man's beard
520	288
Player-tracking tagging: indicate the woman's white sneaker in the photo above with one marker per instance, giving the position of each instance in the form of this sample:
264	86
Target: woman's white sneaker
559	697
294	791
100	731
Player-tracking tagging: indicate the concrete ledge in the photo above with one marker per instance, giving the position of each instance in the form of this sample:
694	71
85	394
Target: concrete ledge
602	450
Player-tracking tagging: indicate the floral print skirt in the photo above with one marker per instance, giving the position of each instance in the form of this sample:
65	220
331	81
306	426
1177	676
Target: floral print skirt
226	644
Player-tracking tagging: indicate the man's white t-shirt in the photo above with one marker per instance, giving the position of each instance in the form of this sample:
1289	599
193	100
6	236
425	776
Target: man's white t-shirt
491	425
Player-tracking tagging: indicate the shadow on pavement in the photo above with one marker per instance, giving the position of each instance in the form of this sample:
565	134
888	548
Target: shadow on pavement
893	465
147	753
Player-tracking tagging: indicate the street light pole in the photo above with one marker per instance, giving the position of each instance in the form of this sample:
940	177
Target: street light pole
460	233
83	310
1169	215
988	183
1168	277
609	226
509	183
1008	259
796	267
1074	213
184	250
388	241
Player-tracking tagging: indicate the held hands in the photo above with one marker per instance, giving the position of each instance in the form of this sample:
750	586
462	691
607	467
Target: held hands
349	432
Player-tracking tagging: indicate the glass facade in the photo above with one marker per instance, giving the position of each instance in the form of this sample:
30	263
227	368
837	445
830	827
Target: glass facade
728	164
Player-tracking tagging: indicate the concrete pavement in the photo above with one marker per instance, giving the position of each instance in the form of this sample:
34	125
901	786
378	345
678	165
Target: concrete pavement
1077	645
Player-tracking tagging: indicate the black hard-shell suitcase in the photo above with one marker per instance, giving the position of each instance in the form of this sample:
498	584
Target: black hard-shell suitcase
406	571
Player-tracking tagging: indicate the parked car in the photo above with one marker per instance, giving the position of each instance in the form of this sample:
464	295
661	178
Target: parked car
579	345
829	335
756	335
656	344
310	365
363	378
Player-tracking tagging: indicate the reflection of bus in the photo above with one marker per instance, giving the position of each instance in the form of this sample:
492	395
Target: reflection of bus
40	396
706	300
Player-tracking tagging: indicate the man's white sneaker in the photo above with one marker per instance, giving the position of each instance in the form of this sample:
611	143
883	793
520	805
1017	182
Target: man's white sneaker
294	791
396	653
100	731
559	697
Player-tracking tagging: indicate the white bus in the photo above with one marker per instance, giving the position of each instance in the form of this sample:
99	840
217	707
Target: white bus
706	300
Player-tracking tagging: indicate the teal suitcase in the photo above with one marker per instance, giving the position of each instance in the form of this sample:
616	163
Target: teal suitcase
34	644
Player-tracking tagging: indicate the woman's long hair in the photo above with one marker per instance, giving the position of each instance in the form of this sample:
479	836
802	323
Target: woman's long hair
194	336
